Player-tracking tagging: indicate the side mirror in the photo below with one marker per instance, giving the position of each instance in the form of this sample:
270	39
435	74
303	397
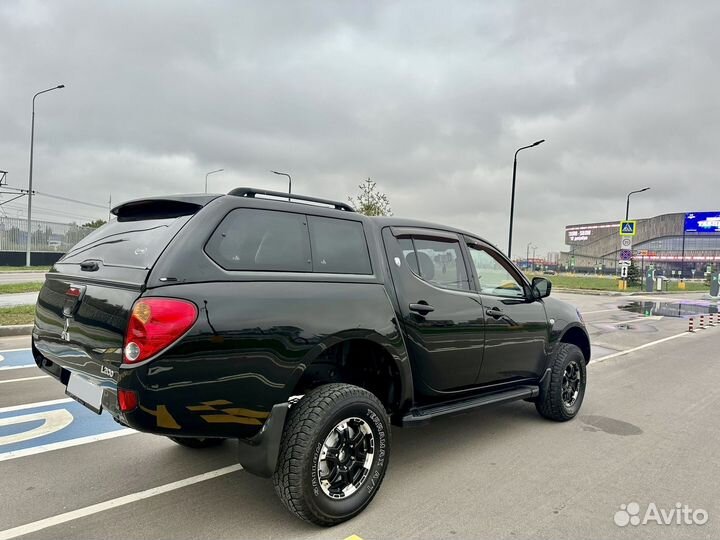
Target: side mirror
540	288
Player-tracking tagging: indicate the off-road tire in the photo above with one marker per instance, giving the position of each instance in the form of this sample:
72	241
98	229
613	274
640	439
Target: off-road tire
309	423
550	403
197	442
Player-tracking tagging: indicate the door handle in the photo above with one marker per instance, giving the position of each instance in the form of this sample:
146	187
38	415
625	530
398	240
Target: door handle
495	313
423	308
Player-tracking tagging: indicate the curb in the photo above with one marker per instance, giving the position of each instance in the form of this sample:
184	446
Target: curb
16	330
600	292
596	292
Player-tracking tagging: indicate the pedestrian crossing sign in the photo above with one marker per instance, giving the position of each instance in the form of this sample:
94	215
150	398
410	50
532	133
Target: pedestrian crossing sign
628	228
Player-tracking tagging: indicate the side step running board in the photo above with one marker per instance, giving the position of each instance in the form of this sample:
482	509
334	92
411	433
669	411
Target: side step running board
423	415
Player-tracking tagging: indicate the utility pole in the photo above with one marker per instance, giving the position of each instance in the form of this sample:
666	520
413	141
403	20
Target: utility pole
109	207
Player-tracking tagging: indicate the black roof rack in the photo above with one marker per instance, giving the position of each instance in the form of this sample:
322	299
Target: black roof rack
251	192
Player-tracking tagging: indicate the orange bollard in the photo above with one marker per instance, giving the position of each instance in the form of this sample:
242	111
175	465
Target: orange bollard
691	322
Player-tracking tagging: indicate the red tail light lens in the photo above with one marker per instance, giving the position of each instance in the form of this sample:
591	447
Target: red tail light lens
155	324
128	400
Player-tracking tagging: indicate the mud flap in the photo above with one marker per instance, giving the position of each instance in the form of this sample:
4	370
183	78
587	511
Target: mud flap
259	454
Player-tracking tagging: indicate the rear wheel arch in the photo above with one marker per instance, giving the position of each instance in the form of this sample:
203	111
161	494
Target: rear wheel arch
575	335
367	362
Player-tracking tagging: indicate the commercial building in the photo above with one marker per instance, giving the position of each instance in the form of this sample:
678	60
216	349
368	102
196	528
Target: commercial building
681	244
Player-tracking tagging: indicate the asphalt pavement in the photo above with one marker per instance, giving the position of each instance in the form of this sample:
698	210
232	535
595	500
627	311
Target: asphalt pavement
648	433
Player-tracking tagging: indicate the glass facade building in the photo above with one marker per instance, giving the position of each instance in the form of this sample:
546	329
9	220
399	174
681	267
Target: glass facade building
667	242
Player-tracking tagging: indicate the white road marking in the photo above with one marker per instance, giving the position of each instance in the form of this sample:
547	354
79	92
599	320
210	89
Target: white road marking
113	503
639	319
36	404
650	344
53	420
26	379
25	366
65	444
15	350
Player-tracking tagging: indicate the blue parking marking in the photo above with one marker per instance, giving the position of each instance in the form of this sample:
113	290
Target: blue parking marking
22	358
54	423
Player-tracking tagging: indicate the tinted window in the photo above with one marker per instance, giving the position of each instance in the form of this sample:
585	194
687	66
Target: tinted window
131	243
493	277
249	239
439	262
338	246
408	251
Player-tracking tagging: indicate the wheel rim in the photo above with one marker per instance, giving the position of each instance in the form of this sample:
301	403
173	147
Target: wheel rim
346	458
572	379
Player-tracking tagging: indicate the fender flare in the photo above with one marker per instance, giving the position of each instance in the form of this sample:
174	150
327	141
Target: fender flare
574	327
392	343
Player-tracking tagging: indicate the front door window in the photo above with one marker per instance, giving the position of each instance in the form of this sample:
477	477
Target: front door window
493	278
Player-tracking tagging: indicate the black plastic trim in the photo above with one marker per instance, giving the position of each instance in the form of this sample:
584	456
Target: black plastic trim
423	415
259	454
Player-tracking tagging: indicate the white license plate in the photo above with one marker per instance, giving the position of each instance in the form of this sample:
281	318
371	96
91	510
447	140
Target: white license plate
86	392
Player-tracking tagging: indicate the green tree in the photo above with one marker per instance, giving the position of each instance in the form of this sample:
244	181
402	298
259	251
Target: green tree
94	224
633	275
370	201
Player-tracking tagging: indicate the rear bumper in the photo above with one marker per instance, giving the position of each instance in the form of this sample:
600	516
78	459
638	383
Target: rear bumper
61	374
258	454
170	409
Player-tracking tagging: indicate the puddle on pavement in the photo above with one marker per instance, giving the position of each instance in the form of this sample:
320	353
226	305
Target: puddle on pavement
682	309
609	425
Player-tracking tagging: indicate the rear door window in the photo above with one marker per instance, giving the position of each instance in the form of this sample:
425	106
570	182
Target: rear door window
437	261
261	240
338	246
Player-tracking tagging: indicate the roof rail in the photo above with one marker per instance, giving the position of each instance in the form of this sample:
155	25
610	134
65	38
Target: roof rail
251	192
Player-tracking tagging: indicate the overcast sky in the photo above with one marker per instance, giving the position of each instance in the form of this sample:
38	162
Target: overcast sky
429	99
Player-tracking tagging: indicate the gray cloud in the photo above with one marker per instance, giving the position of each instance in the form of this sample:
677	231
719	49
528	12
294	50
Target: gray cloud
430	99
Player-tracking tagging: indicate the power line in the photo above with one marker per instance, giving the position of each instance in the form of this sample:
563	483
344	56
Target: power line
52	212
51	195
71	200
11	200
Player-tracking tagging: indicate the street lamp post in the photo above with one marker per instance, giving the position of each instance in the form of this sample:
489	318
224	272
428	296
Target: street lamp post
30	176
208	174
627	212
512	199
627	206
527	256
289	180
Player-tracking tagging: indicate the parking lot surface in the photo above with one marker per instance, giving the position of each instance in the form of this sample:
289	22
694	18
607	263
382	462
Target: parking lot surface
648	432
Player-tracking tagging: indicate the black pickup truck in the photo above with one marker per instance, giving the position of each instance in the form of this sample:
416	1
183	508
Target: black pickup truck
301	329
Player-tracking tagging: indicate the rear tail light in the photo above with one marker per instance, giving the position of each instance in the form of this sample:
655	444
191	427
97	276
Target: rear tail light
74	292
128	400
155	324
